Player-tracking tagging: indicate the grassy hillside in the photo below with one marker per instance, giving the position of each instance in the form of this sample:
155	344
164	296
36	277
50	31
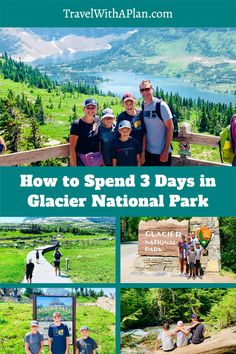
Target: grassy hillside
90	262
15	319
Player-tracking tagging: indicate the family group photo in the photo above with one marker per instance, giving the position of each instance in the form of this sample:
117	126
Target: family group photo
57	320
100	97
191	321
192	250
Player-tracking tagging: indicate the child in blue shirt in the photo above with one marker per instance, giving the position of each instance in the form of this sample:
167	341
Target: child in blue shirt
107	135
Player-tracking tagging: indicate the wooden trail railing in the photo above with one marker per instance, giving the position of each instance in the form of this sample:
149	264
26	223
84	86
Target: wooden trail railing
185	139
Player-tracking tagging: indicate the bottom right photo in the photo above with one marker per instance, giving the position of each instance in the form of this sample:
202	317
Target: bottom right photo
191	321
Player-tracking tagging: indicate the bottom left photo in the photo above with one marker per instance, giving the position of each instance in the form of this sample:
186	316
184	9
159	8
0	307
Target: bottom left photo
57	320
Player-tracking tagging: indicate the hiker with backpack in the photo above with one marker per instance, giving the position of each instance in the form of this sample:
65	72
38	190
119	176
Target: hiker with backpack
158	128
57	257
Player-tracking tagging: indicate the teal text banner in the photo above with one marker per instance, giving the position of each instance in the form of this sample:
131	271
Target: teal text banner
121	191
118	13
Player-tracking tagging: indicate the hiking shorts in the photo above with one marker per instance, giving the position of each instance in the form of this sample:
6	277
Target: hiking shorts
56	264
29	275
154	160
198	263
191	266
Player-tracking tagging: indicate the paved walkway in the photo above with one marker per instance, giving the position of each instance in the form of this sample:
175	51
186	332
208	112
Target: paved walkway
129	274
43	271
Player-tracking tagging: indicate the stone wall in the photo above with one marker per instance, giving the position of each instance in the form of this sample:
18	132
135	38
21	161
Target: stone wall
211	262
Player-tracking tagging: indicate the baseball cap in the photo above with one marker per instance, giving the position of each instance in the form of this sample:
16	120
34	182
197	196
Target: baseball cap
84	328
128	96
194	316
90	101
34	323
107	112
124	124
55	314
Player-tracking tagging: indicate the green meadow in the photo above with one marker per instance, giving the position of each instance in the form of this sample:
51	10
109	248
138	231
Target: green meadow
15	319
89	262
91	257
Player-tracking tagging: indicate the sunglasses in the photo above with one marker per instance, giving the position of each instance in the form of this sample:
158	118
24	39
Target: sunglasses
145	89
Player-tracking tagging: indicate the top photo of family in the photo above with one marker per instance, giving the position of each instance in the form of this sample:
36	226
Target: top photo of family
117	97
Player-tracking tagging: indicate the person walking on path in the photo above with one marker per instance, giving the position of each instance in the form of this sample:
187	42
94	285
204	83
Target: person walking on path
158	131
37	256
29	271
57	260
58	336
34	340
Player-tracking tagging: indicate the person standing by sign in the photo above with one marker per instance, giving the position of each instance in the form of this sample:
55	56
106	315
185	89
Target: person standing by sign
191	258
85	344
194	239
58	336
199	252
182	247
34	340
29	271
57	259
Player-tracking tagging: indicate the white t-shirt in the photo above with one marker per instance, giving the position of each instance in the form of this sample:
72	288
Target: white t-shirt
182	339
166	340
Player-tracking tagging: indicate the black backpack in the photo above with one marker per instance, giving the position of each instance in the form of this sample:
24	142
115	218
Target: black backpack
158	112
57	255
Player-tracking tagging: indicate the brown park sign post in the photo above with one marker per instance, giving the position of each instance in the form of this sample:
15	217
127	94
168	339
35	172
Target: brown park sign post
160	238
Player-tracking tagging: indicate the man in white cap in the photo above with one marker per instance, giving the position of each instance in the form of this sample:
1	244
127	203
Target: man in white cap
34	340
